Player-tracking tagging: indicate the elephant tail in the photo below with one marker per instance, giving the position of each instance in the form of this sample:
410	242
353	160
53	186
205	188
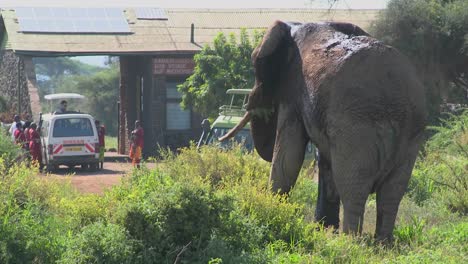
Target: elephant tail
238	127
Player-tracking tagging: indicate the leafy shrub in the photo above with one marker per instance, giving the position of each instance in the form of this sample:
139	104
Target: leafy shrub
29	232
420	186
443	244
213	206
442	172
8	151
409	233
100	243
83	210
219	167
173	218
28	237
305	192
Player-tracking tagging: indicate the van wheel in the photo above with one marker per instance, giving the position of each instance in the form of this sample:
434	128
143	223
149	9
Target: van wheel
52	168
94	166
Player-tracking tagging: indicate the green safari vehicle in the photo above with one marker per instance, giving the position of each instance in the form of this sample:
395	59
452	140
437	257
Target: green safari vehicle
229	116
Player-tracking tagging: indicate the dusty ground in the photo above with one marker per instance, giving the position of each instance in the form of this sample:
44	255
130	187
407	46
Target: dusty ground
96	181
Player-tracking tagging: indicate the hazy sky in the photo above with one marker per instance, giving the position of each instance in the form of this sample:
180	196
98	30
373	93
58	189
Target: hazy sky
353	4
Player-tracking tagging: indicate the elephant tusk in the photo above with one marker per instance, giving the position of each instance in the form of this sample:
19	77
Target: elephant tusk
238	127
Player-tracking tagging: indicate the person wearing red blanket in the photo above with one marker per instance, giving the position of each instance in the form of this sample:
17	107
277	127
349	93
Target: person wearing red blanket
35	144
136	147
20	139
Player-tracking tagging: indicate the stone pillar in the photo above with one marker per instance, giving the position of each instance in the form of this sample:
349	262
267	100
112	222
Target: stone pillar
13	84
123	138
32	90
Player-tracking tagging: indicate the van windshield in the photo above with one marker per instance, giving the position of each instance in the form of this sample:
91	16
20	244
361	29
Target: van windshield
73	127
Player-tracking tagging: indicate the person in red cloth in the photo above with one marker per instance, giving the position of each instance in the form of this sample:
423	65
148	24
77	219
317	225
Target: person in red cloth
35	145
136	147
26	126
102	144
20	139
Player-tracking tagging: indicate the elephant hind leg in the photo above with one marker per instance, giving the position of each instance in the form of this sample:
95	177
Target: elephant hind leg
355	167
390	193
327	211
354	178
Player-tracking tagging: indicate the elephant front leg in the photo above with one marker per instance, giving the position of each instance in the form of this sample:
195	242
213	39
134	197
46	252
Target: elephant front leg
327	211
288	155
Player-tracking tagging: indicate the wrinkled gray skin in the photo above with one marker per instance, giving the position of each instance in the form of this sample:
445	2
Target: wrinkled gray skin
358	100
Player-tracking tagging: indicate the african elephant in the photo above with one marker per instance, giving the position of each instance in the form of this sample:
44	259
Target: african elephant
359	101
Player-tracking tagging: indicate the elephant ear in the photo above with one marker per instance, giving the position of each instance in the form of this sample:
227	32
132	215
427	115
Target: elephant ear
268	59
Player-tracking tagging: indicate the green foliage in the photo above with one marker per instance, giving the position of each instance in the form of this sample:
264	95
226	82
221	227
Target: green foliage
173	217
102	93
53	67
28	231
111	142
409	233
215	206
9	151
443	171
433	34
99	243
225	65
99	85
54	73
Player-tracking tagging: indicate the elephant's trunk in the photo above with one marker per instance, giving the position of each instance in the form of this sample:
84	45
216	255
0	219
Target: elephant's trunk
238	127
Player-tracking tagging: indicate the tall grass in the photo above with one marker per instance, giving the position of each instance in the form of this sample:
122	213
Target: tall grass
215	206
111	142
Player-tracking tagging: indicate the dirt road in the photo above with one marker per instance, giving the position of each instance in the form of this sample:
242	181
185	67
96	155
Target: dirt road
96	181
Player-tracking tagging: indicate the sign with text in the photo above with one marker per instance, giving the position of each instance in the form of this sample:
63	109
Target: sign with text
173	66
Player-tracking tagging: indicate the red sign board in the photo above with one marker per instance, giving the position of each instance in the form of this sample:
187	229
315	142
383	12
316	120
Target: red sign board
173	66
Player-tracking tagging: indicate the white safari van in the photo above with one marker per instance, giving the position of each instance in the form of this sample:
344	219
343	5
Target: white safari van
69	138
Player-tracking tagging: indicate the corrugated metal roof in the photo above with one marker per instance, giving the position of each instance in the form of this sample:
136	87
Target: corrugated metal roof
167	36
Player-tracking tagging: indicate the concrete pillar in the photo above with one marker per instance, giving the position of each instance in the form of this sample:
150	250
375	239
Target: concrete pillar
123	138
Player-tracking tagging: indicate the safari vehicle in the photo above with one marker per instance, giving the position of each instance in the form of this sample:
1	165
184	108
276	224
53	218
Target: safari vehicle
229	117
68	138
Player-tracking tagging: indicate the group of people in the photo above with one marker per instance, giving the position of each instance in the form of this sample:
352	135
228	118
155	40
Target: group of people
26	135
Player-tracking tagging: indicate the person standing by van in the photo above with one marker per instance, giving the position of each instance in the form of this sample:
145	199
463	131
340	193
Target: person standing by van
13	128
102	143
26	126
20	139
136	147
35	144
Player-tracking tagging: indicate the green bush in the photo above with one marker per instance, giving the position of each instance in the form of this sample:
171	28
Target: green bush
409	233
9	152
215	206
29	232
442	173
100	243
173	217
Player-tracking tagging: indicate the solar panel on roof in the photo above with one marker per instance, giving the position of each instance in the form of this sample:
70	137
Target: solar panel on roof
151	13
72	20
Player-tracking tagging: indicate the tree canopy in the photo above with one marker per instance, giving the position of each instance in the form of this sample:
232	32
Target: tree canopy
225	65
434	35
99	85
